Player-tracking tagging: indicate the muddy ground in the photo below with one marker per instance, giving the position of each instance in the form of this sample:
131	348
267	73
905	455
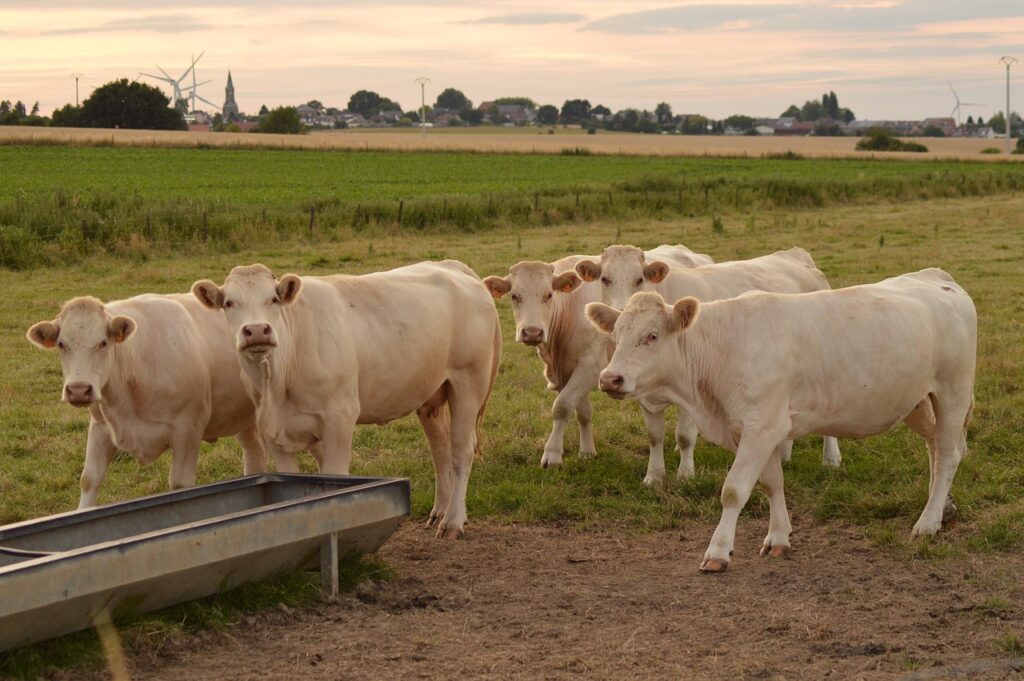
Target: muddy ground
553	602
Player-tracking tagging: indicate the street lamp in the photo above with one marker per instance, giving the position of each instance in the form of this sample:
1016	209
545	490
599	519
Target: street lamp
1009	61
423	80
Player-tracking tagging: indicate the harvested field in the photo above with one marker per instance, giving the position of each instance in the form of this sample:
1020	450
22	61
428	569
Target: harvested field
518	140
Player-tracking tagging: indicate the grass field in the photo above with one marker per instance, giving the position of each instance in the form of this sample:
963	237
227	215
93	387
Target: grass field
881	486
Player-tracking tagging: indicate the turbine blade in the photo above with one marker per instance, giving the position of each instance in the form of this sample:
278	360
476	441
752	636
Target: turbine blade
203	99
164	72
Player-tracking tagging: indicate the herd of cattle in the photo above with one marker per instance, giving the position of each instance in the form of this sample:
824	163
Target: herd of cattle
754	353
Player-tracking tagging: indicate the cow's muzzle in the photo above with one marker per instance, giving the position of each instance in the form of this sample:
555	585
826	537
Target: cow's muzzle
79	394
531	335
257	339
613	384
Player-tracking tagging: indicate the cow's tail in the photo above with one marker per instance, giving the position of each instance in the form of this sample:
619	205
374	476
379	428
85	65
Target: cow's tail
495	361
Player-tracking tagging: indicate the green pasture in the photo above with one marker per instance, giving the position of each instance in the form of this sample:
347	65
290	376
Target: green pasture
880	488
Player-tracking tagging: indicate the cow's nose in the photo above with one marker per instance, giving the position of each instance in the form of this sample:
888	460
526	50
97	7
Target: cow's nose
611	382
78	393
257	334
532	334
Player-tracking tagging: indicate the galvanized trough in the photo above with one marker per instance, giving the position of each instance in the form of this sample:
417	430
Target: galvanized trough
66	572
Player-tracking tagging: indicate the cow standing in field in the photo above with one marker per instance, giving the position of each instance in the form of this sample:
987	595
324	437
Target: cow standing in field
156	372
321	354
572	351
848	363
625	270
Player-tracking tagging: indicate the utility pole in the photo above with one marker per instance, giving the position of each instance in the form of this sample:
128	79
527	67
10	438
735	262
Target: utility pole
76	76
1009	61
423	80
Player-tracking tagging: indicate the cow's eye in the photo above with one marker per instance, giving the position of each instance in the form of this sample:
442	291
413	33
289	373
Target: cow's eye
103	344
547	297
640	281
60	345
276	301
651	337
516	299
229	303
606	281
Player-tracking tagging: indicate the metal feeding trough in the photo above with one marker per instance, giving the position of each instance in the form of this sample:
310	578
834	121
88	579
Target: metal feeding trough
65	572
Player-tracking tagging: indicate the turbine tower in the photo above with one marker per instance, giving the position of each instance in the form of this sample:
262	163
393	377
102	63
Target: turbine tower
956	109
183	94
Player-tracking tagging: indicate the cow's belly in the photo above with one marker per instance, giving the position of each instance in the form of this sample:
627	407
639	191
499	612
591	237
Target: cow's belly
144	441
866	417
291	429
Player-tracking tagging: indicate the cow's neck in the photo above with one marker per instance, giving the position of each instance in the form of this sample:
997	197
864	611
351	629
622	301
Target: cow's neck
269	376
695	387
122	392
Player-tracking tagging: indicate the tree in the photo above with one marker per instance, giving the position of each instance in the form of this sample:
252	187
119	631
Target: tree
264	110
739	122
812	110
646	125
364	102
68	116
695	125
981	121
387	105
575	111
998	123
315	104
125	104
933	131
663	112
471	116
792	112
453	100
5	107
547	114
846	116
831	105
282	120
600	110
516	101
970	120
19	109
35	109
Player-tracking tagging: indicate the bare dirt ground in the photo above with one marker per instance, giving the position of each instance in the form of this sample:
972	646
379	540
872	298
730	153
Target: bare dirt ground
553	602
517	140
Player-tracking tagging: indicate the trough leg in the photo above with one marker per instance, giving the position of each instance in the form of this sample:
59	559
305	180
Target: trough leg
329	566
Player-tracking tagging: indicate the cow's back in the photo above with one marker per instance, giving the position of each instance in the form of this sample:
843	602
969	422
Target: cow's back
791	271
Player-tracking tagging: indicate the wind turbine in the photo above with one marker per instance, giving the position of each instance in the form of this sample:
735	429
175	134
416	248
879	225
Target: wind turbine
956	109
176	83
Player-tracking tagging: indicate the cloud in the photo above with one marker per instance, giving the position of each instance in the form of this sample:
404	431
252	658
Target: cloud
834	17
534	19
158	23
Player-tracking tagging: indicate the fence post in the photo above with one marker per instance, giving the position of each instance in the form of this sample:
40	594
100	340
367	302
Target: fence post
444	209
149	226
206	228
264	215
312	219
577	200
401	206
536	200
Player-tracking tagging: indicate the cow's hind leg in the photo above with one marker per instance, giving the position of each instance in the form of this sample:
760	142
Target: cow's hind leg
99	452
949	445
566	402
830	455
779	526
467	395
436	425
585	416
686	441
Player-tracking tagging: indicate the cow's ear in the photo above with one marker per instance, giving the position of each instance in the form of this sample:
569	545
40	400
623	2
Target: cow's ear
566	282
43	334
498	286
685	312
602	316
121	328
655	272
208	293
588	270
288	288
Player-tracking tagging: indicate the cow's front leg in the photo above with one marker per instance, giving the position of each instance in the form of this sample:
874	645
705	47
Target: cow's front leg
565	404
686	441
755	448
184	458
336	441
830	455
99	452
585	415
655	421
779	527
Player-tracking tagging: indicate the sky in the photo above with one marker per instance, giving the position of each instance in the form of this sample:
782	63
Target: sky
885	59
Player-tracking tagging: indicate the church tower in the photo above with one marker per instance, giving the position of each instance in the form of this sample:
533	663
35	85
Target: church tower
230	109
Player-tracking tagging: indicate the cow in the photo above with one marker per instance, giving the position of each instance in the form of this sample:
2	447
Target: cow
851	362
573	353
155	372
321	354
625	270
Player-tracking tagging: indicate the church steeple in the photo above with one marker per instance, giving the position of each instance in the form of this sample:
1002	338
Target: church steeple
230	108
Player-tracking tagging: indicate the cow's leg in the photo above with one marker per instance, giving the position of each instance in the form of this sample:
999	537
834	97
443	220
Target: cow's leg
336	439
830	455
436	426
467	395
950	446
578	385
184	458
655	421
316	450
755	449
584	415
779	527
254	455
686	441
786	450
99	452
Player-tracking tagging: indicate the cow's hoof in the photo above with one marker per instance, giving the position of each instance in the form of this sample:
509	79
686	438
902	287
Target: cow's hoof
923	529
551	460
584	454
449	532
950	513
434	518
652	480
713	565
774	551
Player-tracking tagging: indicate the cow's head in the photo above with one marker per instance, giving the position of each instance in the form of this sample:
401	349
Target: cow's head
532	286
84	333
622	271
252	300
643	333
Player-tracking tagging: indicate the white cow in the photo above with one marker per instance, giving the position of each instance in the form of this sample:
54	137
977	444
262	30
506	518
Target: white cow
849	363
321	354
156	372
573	352
625	270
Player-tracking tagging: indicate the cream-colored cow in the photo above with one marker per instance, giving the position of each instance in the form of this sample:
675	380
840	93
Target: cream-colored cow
572	351
321	354
848	363
155	372
625	270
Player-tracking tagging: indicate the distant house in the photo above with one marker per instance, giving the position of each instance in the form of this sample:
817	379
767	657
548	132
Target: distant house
446	119
352	119
764	129
486	106
307	114
517	113
199	127
247	126
392	116
796	129
946	125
